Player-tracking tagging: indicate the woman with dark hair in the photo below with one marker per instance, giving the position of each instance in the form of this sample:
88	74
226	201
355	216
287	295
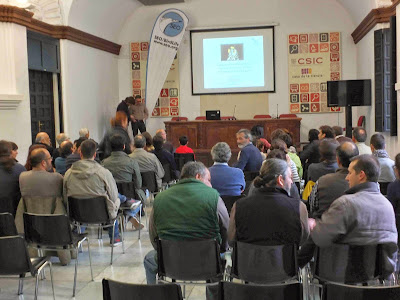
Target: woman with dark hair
310	153
9	179
149	142
119	126
14	151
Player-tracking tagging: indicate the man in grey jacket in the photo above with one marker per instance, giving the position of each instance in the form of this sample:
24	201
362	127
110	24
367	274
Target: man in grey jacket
87	178
362	216
378	146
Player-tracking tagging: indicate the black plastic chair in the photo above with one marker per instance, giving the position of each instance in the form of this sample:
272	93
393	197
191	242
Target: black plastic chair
188	261
229	201
53	232
249	177
264	264
167	173
383	187
14	260
236	291
7	225
115	290
334	291
93	212
182	158
149	181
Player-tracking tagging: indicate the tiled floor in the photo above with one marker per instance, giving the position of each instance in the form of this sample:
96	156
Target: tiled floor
127	267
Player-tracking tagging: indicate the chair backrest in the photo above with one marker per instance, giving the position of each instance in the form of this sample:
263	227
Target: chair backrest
179	119
127	188
182	158
149	181
201	118
115	290
88	210
334	291
249	176
264	264
7	225
189	260
14	259
383	187
283	116
229	201
262	117
348	264
47	230
167	173
236	291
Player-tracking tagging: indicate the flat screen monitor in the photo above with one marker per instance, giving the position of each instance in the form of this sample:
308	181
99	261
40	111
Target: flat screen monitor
349	93
213	115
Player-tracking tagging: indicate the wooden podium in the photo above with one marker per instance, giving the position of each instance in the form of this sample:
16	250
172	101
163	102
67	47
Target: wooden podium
203	135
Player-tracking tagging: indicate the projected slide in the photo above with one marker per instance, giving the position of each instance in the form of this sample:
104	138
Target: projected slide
233	62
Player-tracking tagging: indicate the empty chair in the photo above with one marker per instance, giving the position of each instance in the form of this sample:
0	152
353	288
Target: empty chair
334	291
203	118
179	119
115	290
53	232
14	260
236	291
264	264
182	158
93	212
187	261
262	117
229	201
283	116
7	225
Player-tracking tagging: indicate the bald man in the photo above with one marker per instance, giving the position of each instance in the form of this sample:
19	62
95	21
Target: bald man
167	145
60	138
42	138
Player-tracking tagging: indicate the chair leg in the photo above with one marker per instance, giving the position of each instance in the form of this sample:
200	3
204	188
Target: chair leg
90	258
36	286
140	218
21	284
112	243
122	239
76	272
184	291
51	279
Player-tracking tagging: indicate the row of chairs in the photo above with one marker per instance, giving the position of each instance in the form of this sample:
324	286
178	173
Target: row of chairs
113	290
203	118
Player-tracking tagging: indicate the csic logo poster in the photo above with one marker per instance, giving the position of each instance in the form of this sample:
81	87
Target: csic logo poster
314	59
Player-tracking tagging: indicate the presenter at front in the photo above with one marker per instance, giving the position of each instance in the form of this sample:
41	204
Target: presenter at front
139	114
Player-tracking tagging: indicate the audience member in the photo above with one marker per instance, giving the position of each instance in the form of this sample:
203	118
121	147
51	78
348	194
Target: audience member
10	172
149	142
61	161
393	194
14	151
42	138
183	148
310	153
119	125
326	190
147	161
249	158
41	193
188	210
167	145
28	166
363	216
281	145
328	164
87	178
386	164
338	130
84	133
164	156
125	169
124	107
270	216
226	180
60	138
359	138
76	156
261	147
139	114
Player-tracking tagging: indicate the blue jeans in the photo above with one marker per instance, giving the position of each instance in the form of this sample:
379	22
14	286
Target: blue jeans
116	231
130	212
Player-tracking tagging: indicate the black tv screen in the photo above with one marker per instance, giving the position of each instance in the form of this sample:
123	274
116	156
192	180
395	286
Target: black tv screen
349	93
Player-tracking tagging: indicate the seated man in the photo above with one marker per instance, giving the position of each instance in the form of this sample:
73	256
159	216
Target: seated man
41	193
75	156
359	138
190	209
42	138
86	178
249	158
65	150
338	130
226	180
386	164
125	169
164	156
146	161
362	216
269	216
167	145
60	138
183	148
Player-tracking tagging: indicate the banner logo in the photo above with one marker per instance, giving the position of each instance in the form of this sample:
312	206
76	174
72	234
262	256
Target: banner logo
171	24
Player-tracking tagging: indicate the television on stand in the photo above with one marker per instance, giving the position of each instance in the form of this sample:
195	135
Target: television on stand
349	93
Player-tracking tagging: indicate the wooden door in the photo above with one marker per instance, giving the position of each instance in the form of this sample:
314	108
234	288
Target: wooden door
42	103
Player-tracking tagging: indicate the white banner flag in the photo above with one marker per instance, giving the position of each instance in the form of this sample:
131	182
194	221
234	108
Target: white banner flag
164	43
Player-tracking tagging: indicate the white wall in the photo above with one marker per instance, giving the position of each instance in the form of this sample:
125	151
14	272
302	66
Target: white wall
89	88
292	15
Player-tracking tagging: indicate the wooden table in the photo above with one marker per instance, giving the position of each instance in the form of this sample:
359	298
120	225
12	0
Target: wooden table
203	135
